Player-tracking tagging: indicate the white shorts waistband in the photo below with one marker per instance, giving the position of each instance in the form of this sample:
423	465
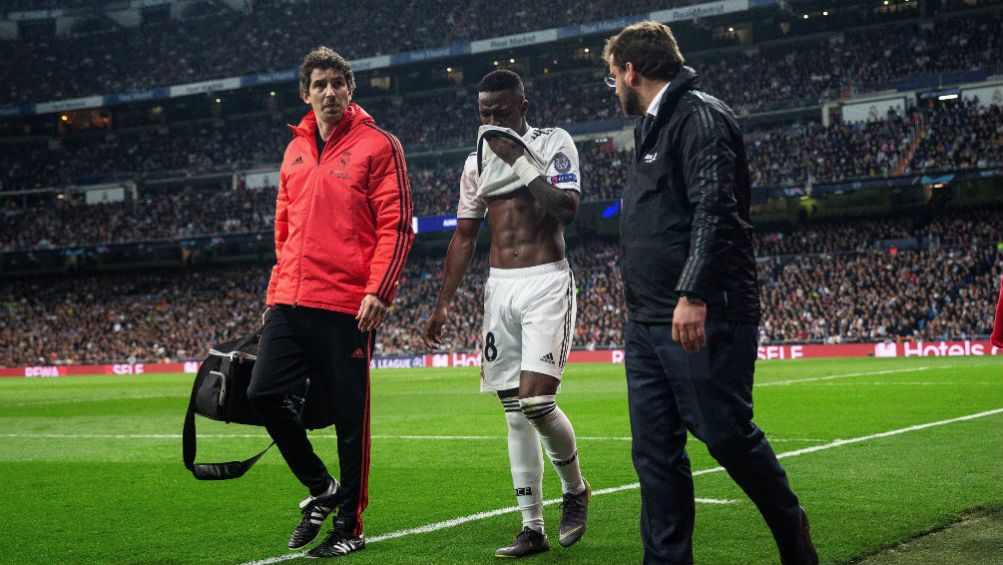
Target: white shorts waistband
533	271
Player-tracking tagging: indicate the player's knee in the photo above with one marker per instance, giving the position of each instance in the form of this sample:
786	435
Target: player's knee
532	384
509	400
513	412
537	408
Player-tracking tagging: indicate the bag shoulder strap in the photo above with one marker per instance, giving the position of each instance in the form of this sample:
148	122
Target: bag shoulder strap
210	471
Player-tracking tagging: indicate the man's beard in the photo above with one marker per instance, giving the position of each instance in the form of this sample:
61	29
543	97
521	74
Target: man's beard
632	102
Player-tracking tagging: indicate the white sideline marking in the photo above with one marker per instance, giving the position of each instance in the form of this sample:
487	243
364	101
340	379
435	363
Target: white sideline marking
868	374
491	513
44	401
511	510
910	383
845	376
471	518
330	436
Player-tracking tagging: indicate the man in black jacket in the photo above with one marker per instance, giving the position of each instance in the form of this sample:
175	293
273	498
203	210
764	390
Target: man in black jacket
689	274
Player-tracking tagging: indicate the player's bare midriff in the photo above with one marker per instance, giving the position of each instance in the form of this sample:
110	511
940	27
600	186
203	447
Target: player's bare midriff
522	234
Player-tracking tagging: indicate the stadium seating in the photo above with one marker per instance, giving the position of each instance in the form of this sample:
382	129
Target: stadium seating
958	135
828	282
787	74
163	51
272	36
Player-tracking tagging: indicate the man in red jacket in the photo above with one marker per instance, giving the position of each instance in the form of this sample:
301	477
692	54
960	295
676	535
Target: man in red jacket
342	234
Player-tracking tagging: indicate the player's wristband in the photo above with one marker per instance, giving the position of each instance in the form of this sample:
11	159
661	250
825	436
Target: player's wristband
525	170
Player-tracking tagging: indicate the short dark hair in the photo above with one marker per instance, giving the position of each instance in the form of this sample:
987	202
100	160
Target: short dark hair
325	58
650	46
500	80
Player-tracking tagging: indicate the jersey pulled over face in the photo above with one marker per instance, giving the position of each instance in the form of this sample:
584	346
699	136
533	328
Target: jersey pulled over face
555	148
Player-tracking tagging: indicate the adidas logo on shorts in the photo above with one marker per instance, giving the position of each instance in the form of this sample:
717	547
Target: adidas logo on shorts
548	358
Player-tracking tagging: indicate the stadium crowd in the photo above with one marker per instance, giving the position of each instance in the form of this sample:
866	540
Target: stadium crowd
873	296
184	214
950	45
103	58
200	46
155	217
961	136
954	136
781	156
837	289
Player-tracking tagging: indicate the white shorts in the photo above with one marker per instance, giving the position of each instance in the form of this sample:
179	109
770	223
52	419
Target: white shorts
529	323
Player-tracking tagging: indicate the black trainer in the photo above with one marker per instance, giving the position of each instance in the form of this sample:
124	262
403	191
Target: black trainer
574	516
339	541
528	542
315	510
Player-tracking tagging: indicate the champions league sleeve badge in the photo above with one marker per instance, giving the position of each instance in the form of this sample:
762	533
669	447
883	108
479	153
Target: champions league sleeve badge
562	163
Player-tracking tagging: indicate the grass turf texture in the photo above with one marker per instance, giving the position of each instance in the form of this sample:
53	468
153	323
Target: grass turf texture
85	476
975	539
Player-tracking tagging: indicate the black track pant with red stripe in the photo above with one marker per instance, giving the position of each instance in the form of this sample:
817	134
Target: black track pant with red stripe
303	347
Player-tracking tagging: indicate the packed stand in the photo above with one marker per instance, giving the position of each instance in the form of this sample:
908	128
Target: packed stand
925	295
137	317
783	76
812	153
172	315
185	214
837	236
945	290
953	44
171	217
964	135
181	150
956	136
164	51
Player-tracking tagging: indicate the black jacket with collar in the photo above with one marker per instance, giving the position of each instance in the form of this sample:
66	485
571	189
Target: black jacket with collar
685	227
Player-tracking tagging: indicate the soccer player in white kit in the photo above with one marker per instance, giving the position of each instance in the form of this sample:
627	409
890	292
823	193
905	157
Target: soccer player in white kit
529	298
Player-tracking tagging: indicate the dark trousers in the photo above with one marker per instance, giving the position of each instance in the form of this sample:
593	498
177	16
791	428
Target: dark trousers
708	393
305	348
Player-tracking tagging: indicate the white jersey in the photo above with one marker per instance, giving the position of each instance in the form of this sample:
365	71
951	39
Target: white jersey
554	146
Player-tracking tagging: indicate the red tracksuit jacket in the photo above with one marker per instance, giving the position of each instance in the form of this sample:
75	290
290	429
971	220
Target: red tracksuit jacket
343	219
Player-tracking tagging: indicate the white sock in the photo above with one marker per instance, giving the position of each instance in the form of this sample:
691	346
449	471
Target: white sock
526	461
558	439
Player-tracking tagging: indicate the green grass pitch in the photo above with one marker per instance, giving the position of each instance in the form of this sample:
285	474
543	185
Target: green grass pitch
91	473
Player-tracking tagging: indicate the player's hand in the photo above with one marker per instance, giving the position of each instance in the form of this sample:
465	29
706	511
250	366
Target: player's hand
431	333
688	323
372	311
506	149
264	315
